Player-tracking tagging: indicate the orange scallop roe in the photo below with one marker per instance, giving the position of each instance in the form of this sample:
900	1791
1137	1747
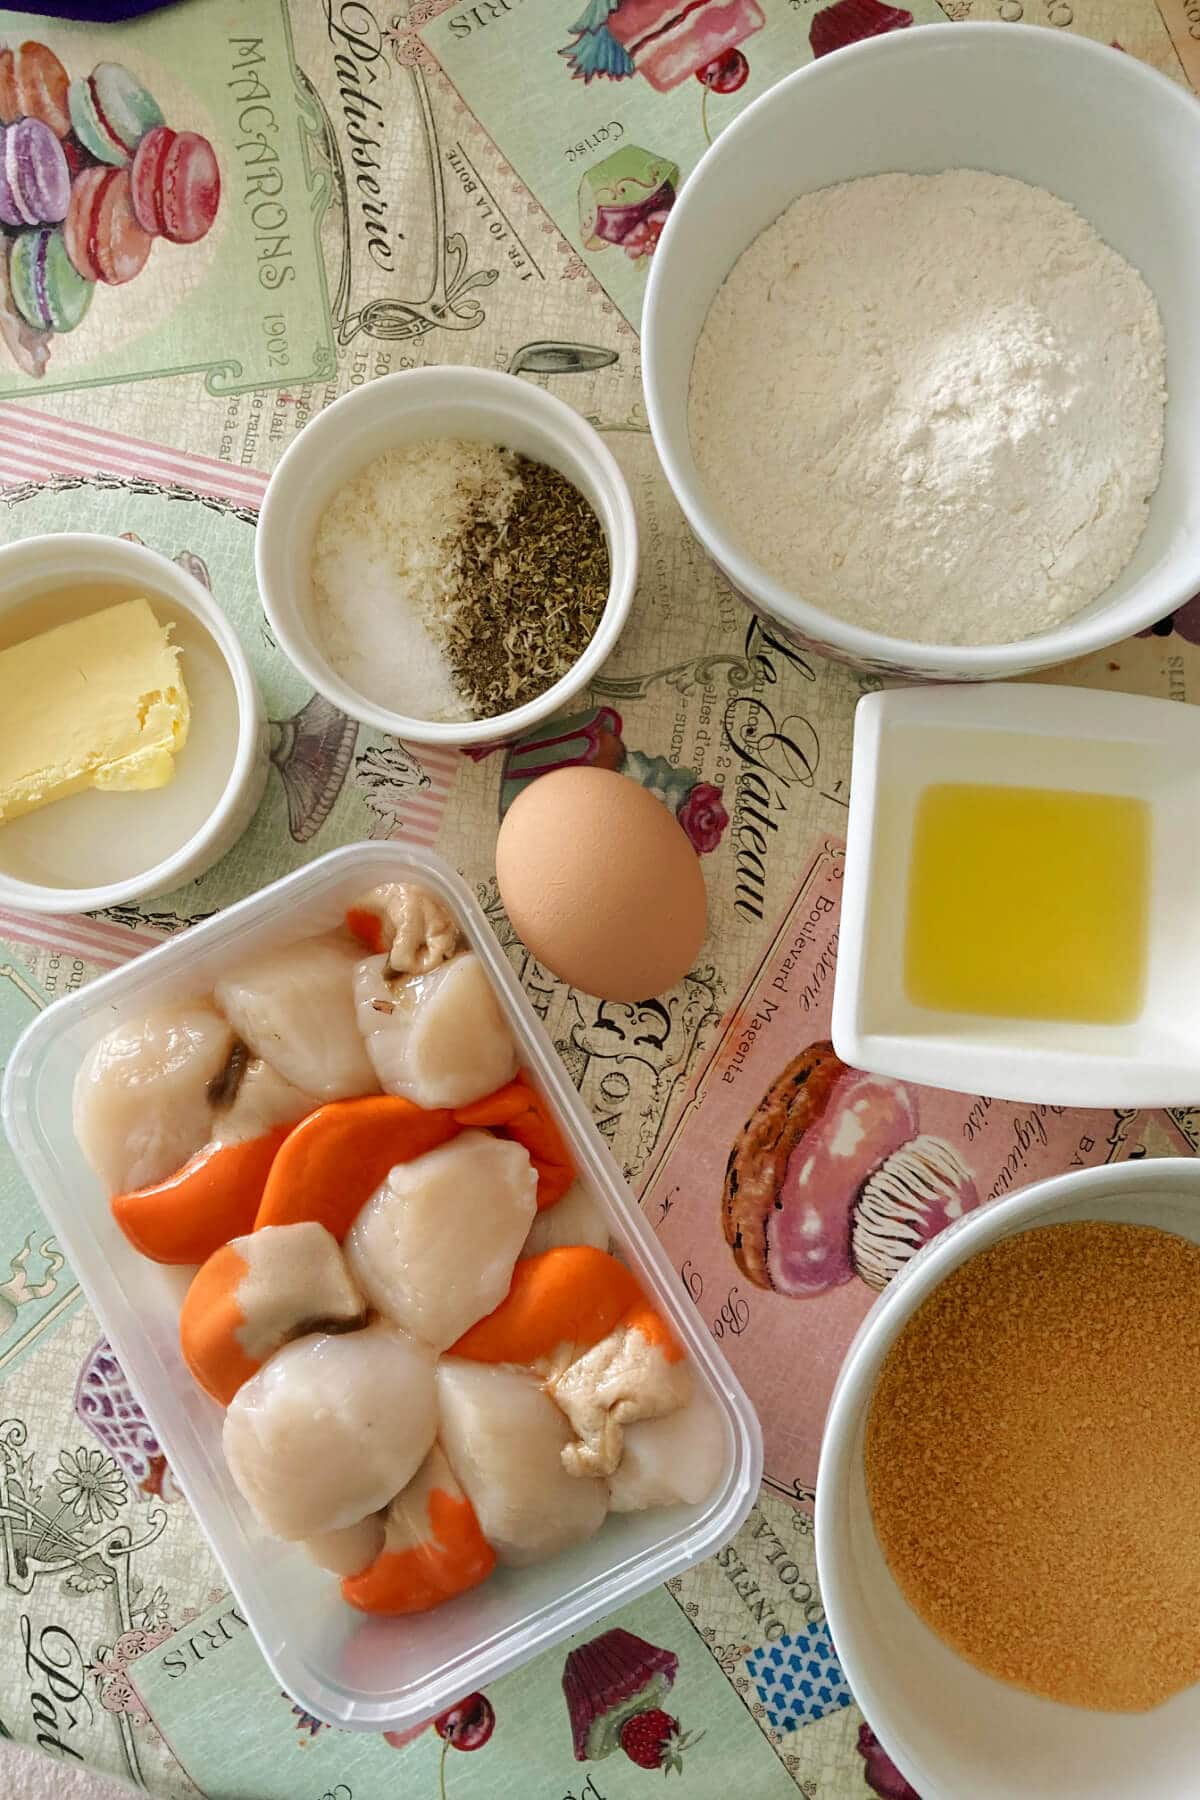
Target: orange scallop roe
643	1319
454	1558
517	1111
573	1295
367	927
209	1321
214	1197
1033	1461
333	1160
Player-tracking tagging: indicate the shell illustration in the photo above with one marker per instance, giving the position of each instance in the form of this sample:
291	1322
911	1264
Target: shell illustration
312	752
549	357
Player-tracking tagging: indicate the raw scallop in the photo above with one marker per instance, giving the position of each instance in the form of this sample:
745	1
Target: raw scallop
438	1039
672	1461
295	1009
142	1103
410	923
330	1429
575	1219
504	1439
627	1376
349	1550
433	1249
260	1101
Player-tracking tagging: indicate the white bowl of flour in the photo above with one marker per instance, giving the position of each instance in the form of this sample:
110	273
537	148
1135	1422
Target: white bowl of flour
918	420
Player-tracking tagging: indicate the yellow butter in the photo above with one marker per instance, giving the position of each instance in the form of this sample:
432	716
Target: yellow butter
99	702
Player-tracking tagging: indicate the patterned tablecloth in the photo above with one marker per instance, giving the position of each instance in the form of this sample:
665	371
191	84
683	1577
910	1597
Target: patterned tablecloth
400	189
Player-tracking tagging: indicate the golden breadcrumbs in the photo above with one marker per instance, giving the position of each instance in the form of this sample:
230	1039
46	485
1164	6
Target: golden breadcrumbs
1033	1463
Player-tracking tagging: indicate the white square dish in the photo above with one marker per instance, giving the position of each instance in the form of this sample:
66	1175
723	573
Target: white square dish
362	1673
1031	736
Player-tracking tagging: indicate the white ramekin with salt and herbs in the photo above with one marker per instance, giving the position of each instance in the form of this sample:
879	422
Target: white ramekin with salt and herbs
387	507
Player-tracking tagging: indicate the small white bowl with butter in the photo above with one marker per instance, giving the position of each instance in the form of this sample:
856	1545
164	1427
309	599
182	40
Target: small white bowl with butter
187	775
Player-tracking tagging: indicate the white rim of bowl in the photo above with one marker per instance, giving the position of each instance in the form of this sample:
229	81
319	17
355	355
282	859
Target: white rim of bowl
457	382
161	877
820	628
852	1391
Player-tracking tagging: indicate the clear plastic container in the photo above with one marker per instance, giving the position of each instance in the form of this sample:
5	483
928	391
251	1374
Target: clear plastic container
361	1673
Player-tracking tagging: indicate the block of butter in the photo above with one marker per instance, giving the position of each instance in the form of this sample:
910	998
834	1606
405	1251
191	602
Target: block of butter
99	702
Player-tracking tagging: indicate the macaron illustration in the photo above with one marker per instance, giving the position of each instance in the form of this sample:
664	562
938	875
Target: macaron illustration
112	112
48	290
103	237
94	157
176	184
35	182
28	346
831	1178
33	85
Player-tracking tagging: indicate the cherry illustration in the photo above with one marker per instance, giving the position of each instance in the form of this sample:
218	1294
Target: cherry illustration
469	1725
726	73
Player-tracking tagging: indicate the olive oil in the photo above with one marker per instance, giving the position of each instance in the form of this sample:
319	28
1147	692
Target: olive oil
1028	903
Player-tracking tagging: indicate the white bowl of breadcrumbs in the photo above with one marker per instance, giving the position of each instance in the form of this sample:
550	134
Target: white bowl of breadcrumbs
447	554
1005	1516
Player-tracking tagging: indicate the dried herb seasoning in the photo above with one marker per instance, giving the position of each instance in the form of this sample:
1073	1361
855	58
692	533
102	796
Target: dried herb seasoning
529	591
455	580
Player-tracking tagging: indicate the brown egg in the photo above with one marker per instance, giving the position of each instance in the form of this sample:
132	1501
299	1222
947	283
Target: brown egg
601	883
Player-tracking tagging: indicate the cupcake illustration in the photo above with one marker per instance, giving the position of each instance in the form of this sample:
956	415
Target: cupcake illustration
665	41
849	21
626	200
589	739
593	739
615	1687
831	1178
91	176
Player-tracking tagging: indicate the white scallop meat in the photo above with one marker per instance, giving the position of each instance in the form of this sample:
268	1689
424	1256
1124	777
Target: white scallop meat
434	1247
330	1429
439	1039
141	1100
504	1439
672	1461
294	1007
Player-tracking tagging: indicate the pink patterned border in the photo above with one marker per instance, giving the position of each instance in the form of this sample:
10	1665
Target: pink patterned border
34	445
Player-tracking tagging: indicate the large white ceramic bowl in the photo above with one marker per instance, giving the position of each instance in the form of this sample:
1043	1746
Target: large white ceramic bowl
1096	127
481	406
956	1733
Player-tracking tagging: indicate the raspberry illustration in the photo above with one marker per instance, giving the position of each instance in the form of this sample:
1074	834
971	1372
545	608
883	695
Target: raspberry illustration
652	1740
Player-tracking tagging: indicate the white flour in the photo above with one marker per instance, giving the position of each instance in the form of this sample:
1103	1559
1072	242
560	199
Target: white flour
933	405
